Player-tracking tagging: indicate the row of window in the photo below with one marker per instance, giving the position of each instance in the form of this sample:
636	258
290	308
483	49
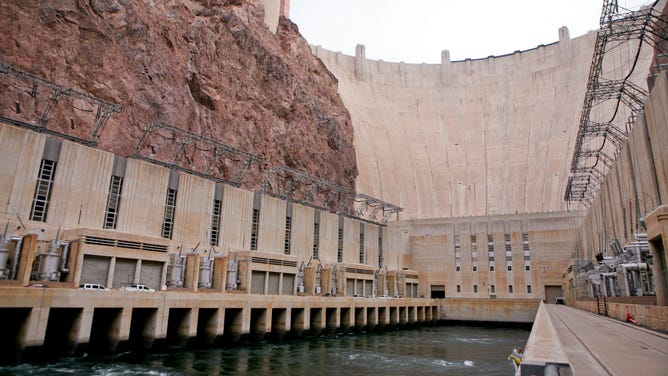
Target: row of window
44	186
492	289
492	268
490	252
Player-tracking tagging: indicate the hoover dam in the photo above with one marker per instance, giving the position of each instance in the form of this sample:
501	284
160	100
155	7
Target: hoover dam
482	187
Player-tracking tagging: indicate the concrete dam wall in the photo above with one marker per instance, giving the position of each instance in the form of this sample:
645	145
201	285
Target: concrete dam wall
475	137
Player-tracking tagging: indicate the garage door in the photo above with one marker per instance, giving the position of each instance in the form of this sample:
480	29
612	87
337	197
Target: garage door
551	293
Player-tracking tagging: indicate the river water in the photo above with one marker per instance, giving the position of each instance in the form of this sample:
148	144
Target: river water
439	350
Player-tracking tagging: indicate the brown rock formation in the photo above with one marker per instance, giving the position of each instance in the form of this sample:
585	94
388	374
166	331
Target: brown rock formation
210	68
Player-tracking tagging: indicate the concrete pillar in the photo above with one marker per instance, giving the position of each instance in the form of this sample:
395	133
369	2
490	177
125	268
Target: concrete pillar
392	284
217	325
34	331
28	249
83	326
445	68
326	281
565	46
110	273
219	273
245	321
309	280
137	272
124	324
360	62
192	272
156	327
272	10
190	323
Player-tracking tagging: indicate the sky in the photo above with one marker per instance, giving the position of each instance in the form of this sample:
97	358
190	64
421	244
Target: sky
416	31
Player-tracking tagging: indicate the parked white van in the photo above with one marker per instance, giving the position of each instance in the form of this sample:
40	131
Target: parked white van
92	286
136	287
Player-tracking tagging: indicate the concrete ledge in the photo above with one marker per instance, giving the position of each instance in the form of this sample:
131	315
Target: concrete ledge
544	354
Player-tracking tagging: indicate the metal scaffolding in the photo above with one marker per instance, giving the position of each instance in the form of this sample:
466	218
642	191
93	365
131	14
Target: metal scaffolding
298	186
373	209
57	92
598	141
178	149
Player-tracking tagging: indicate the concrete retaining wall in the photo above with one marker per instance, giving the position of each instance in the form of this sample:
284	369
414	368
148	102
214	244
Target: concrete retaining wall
651	316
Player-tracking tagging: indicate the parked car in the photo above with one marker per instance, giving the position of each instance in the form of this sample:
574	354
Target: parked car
559	300
38	285
136	287
92	286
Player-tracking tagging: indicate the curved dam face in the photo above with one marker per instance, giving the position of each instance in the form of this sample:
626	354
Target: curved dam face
477	137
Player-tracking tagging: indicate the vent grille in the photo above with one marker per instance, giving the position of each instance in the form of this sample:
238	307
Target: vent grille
124	244
271	261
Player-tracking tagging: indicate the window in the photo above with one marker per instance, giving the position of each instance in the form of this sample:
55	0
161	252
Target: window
475	268
288	233
459	288
492	289
339	250
215	222
490	243
529	289
510	268
362	248
254	229
380	247
510	289
113	201
491	268
527	267
316	240
170	208
40	202
458	268
475	289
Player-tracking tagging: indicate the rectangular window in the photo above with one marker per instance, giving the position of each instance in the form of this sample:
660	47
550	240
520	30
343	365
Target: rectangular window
527	267
362	248
475	268
490	243
475	289
316	240
170	208
113	202
492	289
215	222
288	234
380	248
339	249
255	225
510	289
459	288
491	268
40	201
529	289
458	268
510	268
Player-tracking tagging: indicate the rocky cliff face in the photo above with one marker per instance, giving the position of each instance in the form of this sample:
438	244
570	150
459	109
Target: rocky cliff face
192	77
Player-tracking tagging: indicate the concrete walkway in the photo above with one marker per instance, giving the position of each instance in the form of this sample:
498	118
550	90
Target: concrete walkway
598	345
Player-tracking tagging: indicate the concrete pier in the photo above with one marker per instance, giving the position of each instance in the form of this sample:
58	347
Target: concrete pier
65	321
565	340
